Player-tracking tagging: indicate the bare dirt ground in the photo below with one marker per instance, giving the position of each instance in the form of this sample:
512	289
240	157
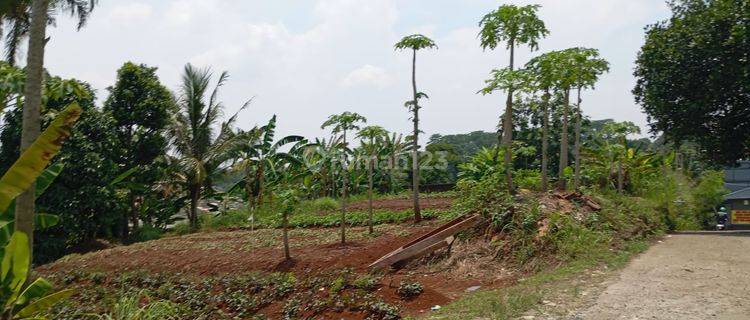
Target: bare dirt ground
684	277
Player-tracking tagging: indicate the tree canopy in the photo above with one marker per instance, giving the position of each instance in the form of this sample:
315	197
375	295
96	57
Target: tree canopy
693	79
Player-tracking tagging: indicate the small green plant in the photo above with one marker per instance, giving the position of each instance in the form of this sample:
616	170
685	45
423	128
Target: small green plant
337	285
129	308
409	290
382	311
366	282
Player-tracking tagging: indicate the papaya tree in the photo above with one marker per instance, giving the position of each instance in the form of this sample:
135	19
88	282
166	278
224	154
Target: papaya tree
544	77
342	124
565	64
289	200
415	42
514	26
372	137
588	66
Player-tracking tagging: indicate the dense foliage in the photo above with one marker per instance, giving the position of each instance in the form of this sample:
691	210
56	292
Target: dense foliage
693	77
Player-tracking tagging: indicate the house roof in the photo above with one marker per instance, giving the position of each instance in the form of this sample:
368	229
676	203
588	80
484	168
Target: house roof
739	195
736	186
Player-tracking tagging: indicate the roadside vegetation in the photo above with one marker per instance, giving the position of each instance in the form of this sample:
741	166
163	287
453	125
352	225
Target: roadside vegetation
201	219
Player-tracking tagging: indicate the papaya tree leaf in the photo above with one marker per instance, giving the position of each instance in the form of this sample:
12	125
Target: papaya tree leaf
33	161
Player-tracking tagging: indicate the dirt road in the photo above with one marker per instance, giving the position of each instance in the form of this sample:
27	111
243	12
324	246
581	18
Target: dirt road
687	276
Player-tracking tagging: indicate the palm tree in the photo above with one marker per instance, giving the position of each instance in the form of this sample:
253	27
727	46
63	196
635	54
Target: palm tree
342	123
202	150
371	136
588	67
515	26
415	42
18	15
25	207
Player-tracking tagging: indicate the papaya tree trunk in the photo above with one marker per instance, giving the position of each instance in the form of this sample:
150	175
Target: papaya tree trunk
577	146
415	142
25	208
620	180
285	227
545	140
561	184
369	191
508	128
345	178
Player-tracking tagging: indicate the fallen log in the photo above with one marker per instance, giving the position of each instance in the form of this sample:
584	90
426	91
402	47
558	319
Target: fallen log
427	243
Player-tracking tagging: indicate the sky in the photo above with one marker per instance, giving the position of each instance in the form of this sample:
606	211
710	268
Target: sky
304	60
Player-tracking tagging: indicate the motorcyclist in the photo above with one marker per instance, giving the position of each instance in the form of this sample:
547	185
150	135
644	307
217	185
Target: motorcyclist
721	218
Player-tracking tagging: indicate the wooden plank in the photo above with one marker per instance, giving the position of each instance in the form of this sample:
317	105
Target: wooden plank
424	243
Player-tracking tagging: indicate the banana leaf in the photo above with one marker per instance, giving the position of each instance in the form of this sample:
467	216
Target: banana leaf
43	304
33	161
36	289
47	178
14	267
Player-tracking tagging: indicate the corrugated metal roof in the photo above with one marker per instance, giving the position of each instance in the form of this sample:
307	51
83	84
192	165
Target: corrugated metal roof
738	195
732	187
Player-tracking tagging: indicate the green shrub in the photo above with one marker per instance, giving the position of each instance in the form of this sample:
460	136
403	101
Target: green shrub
325	204
383	311
366	282
147	232
409	290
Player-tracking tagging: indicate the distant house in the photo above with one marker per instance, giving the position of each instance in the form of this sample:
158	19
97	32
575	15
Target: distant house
737	180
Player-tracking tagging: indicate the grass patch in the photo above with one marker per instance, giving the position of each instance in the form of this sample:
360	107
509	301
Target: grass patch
511	302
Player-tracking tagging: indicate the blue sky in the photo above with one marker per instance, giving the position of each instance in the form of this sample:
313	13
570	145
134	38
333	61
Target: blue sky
306	59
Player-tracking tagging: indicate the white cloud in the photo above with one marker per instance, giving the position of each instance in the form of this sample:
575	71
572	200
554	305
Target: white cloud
305	60
367	75
131	12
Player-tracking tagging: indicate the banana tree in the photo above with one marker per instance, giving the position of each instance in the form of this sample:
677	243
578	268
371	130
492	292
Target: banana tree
261	157
372	137
394	146
21	299
619	131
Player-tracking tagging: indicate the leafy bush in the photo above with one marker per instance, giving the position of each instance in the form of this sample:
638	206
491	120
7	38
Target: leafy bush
383	311
147	232
528	179
409	290
325	204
